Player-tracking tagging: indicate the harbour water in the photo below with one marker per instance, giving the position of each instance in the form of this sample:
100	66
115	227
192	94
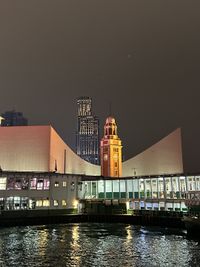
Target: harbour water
96	244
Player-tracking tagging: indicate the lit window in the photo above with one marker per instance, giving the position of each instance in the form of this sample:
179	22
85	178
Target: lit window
56	184
3	183
55	203
33	183
72	186
46	184
64	203
64	184
40	184
18	183
39	203
46	203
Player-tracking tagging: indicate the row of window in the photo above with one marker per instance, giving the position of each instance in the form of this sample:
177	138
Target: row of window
13	203
168	187
33	183
46	203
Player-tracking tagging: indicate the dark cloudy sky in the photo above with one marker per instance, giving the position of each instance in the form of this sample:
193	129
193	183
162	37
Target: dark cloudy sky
143	56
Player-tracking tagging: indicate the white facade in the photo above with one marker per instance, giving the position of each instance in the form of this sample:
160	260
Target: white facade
39	149
164	157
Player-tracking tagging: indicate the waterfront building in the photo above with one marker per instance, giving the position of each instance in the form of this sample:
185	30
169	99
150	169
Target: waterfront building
38	191
13	118
163	193
68	193
87	134
111	150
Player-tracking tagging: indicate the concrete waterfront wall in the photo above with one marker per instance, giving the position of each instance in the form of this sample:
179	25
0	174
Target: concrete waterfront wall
28	217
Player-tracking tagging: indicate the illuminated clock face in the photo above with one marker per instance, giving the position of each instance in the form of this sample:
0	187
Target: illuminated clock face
105	157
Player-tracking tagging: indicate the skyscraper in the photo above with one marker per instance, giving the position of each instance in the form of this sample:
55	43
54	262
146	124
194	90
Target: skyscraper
87	135
13	118
111	150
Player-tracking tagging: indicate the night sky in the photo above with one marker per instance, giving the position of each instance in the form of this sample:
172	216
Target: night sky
142	56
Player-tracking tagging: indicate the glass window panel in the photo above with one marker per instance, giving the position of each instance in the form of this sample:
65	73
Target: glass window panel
56	184
18	185
94	189
39	203
148	188
40	184
88	189
24	183
161	187
3	183
116	189
64	203
154	188
191	183
46	203
101	189
175	187
33	183
135	185
116	186
108	189
197	183
55	203
11	183
168	187
46	183
141	188
129	185
122	186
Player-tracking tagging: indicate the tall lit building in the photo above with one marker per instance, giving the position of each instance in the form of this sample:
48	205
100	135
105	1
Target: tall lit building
13	118
111	150
87	135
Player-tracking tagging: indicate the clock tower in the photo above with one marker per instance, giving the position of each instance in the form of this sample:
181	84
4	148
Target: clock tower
111	150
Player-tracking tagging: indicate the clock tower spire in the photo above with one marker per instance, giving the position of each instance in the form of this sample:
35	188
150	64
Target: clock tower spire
111	150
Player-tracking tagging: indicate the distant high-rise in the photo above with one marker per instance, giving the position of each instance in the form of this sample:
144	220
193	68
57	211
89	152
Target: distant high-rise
87	135
13	118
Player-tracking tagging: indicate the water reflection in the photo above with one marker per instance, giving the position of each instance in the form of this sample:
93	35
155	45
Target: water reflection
95	245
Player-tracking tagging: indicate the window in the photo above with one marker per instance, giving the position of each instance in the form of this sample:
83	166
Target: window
64	184
46	183
39	203
64	203
46	203
40	184
24	183
56	184
42	203
55	203
17	183
72	186
33	183
3	183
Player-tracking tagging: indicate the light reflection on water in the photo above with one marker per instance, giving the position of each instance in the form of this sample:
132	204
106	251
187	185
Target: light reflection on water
95	245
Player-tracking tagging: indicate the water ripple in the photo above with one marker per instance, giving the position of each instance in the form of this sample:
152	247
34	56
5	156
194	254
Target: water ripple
96	245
